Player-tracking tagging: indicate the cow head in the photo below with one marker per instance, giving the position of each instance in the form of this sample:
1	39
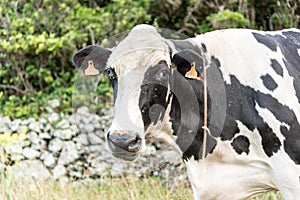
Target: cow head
154	90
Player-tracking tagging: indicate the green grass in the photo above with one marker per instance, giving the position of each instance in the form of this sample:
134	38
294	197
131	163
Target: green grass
132	188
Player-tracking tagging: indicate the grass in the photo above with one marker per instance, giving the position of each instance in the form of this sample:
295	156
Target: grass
132	188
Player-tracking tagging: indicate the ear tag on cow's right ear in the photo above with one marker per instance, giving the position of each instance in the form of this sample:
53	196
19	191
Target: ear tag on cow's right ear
90	70
193	73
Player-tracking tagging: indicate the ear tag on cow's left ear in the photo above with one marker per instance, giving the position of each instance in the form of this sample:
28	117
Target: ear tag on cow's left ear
90	70
192	73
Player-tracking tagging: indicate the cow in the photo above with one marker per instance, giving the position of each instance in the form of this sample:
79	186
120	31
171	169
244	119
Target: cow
253	105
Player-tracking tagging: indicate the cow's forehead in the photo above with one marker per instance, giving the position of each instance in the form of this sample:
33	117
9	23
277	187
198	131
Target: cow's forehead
142	48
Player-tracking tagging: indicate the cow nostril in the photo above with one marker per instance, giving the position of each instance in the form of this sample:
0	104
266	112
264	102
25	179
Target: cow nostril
135	145
131	142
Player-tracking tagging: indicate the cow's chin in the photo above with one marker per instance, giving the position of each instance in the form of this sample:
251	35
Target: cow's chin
129	157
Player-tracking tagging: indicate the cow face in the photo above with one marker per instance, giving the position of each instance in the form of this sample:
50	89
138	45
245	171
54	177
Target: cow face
143	73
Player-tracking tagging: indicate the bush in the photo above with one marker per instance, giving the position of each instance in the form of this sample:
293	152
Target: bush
37	40
228	19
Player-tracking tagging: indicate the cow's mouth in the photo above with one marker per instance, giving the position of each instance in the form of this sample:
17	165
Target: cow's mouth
125	149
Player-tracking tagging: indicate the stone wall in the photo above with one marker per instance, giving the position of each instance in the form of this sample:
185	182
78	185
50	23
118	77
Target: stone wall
72	147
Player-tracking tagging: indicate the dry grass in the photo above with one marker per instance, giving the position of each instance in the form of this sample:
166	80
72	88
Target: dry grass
132	188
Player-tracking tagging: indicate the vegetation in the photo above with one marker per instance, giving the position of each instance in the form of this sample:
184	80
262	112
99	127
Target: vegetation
131	188
38	38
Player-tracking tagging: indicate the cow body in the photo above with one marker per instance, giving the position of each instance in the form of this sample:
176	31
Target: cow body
253	83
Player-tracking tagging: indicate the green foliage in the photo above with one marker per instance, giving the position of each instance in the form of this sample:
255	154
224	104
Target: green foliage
37	40
228	19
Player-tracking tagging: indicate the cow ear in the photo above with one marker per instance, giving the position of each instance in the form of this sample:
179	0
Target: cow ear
91	60
188	63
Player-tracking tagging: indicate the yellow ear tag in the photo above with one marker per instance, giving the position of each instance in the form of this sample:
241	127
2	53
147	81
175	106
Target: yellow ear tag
193	73
90	70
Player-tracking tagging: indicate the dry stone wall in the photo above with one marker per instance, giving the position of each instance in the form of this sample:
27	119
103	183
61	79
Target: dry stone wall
72	147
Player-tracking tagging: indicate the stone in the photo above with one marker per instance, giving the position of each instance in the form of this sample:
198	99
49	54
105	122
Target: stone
59	171
54	103
68	154
117	169
25	143
82	138
34	126
30	169
55	145
95	148
89	128
14	148
66	134
53	117
83	110
30	153
14	125
45	135
33	137
94	139
23	129
49	160
63	124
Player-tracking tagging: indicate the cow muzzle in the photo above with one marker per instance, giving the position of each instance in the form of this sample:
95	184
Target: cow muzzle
126	145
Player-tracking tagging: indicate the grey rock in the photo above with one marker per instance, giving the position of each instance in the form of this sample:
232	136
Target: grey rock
53	117
59	171
66	134
55	145
33	137
83	110
94	138
34	126
63	180
117	169
89	128
49	160
63	124
54	103
45	135
16	157
14	125
30	153
82	138
69	153
40	145
30	169
95	148
25	143
14	148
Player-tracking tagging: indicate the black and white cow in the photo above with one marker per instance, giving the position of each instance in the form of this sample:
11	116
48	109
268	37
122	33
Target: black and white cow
253	81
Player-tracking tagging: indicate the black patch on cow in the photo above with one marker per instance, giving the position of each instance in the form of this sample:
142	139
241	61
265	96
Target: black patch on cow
269	82
204	47
152	100
277	67
267	40
181	45
112	76
241	144
289	44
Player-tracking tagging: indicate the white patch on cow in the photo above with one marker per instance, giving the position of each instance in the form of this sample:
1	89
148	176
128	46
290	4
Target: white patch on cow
242	56
298	52
225	175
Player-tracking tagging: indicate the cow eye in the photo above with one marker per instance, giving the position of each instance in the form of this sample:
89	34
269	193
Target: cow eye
110	73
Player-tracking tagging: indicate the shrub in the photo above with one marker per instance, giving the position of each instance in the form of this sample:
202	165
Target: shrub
37	40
